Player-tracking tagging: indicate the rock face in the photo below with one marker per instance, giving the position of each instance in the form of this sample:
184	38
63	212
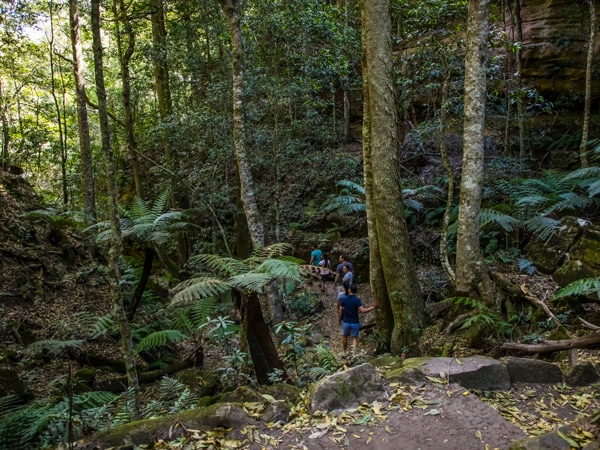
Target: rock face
582	374
555	45
572	254
526	370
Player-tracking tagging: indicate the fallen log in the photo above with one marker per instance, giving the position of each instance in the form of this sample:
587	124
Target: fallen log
547	346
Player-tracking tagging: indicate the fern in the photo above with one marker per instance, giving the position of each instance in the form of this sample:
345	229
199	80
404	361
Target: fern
542	227
586	286
198	288
10	404
491	216
254	282
277	250
280	268
159	339
223	266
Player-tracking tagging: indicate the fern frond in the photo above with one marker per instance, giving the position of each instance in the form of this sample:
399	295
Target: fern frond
104	325
569	200
222	265
586	286
202	310
279	268
254	282
198	288
139	208
159	339
583	173
161	202
491	216
9	404
533	200
352	186
93	399
276	250
411	203
542	227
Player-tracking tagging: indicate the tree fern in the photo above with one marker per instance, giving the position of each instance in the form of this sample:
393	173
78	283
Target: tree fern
198	288
586	286
254	282
280	268
223	266
159	339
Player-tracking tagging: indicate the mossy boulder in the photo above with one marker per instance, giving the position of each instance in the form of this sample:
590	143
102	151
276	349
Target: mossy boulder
548	255
348	389
393	362
219	415
201	382
582	374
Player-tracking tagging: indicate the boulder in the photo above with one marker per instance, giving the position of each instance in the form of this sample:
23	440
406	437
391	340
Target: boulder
548	255
474	372
201	382
526	370
348	389
582	374
548	441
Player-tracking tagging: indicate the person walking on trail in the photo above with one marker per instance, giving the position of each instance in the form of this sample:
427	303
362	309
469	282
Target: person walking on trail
325	268
339	271
315	258
348	275
348	311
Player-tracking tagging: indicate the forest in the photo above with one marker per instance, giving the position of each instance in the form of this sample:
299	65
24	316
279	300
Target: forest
167	167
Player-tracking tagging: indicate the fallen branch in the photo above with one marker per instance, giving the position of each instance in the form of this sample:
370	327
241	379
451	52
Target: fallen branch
586	324
547	346
459	321
543	305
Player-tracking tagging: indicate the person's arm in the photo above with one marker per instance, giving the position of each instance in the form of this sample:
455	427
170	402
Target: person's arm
340	312
362	309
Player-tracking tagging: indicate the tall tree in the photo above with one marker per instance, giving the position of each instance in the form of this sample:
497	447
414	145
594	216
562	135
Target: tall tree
126	48
86	168
588	85
395	256
115	221
518	24
62	127
232	10
471	275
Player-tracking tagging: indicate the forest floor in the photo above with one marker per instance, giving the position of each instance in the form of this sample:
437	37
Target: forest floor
430	415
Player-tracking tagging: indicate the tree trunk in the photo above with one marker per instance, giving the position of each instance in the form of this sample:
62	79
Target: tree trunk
383	314
518	78
450	197
86	168
231	9
397	263
262	350
116	239
471	277
120	13
588	85
5	129
59	121
141	286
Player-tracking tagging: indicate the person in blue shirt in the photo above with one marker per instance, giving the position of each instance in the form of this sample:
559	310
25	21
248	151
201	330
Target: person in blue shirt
339	271
315	257
348	311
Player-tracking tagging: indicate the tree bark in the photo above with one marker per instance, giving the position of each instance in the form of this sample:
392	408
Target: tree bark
5	129
518	78
86	166
120	13
116	238
588	85
262	350
141	286
472	278
383	314
406	300
231	9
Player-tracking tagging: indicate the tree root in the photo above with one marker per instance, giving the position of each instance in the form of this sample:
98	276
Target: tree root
549	346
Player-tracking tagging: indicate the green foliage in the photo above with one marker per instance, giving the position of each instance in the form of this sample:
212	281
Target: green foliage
482	314
173	397
303	303
159	339
586	286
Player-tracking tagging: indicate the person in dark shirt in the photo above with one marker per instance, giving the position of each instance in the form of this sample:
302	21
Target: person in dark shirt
339	271
348	311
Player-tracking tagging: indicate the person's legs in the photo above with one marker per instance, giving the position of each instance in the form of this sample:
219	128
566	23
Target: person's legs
354	333
346	331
